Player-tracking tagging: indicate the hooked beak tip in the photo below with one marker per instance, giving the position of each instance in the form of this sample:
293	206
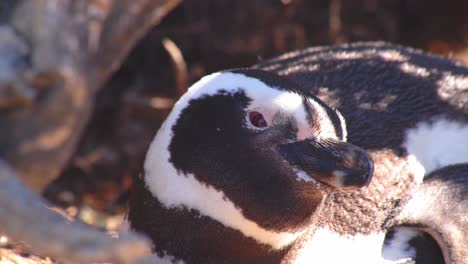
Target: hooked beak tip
359	174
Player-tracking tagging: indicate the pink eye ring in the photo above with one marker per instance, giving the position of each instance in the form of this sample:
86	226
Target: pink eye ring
257	119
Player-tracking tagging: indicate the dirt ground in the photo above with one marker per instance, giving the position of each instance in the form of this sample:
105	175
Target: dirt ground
219	34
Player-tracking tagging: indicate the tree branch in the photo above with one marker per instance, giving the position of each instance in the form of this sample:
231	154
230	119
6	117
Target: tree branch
47	233
78	44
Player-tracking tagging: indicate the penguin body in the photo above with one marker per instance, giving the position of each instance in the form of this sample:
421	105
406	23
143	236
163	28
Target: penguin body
253	165
399	104
408	109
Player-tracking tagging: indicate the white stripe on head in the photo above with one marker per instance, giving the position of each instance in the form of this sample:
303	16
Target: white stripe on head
271	100
174	189
343	125
327	129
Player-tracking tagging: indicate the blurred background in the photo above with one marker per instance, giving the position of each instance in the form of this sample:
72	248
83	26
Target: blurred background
202	36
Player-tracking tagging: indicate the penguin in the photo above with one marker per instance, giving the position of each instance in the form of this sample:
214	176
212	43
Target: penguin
271	164
239	167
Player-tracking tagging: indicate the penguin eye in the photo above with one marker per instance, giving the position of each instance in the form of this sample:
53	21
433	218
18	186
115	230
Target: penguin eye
257	119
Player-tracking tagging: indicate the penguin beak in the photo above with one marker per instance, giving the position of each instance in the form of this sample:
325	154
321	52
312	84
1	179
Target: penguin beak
335	163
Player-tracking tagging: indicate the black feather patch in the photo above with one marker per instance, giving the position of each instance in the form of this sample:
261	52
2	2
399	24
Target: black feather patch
212	143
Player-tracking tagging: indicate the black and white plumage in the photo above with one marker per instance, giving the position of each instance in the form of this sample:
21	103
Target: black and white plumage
218	188
407	108
238	162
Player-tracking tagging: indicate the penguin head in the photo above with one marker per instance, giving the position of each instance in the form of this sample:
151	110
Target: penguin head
248	149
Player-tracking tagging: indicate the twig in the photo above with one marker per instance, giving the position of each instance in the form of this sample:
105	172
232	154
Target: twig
178	65
156	102
334	21
25	217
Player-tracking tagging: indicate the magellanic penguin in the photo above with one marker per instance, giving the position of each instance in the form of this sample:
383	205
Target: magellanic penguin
239	167
295	197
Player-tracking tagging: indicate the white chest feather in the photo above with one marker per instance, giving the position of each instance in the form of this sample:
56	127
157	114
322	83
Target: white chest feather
329	247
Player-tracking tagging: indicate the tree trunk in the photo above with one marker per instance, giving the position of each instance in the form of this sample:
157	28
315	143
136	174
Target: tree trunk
74	46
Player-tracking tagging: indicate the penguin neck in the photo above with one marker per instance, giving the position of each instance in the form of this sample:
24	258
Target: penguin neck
352	225
187	235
